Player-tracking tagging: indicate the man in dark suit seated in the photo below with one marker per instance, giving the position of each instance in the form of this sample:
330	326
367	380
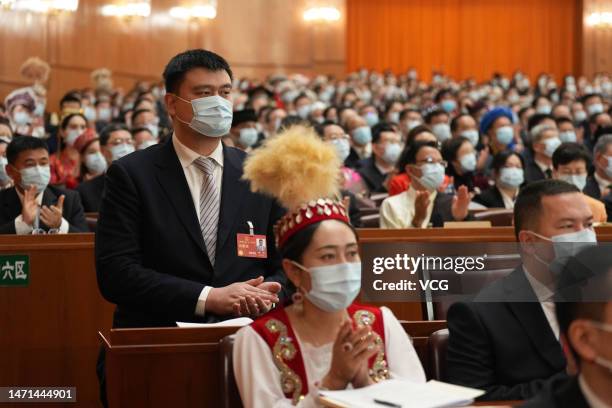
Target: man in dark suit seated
584	312
31	205
114	139
506	341
545	140
598	184
386	150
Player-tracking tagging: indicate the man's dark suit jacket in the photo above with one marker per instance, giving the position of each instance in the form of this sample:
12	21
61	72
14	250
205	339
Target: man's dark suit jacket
533	172
372	177
502	343
91	193
561	393
490	198
10	207
151	260
592	188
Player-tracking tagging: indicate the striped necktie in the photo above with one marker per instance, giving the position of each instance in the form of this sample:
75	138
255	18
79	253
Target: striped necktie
209	206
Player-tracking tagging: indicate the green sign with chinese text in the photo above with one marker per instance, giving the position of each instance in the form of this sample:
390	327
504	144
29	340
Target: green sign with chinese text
14	270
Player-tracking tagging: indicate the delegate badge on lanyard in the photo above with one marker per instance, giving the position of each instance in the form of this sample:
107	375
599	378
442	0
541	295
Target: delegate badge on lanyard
251	245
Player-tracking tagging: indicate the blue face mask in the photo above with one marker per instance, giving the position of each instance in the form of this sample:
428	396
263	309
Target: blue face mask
333	287
343	148
449	105
38	176
248	137
392	153
362	135
511	177
471	135
303	111
371	118
21	118
569	136
468	162
432	176
504	135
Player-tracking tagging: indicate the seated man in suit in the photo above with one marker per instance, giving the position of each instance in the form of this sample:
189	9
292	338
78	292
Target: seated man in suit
598	185
545	140
115	142
571	162
585	323
31	205
386	150
422	204
506	341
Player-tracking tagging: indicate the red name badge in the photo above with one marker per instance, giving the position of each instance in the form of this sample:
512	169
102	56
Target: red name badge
252	246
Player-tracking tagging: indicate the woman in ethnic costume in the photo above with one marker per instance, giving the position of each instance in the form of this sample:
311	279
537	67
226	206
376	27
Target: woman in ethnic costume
322	340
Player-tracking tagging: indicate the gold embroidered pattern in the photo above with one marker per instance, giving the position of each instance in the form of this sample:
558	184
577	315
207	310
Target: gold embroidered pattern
379	370
285	350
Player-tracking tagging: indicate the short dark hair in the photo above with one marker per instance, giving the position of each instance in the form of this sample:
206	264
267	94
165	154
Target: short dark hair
379	128
415	131
140	112
601	131
500	159
528	205
537	118
410	153
441	94
137	130
455	121
180	64
569	152
432	114
589	96
405	112
21	144
320	129
70	97
563	119
109	129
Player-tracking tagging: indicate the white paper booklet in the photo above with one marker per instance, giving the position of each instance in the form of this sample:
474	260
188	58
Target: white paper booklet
237	322
405	394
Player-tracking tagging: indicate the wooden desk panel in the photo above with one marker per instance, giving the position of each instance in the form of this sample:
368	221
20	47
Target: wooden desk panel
48	329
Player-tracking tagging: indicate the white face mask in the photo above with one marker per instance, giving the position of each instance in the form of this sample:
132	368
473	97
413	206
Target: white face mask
411	124
4	177
603	362
333	287
95	163
567	245
579	180
468	162
248	137
21	118
120	150
71	136
550	145
38	176
568	136
212	115
511	177
432	176
442	131
471	135
90	113
154	129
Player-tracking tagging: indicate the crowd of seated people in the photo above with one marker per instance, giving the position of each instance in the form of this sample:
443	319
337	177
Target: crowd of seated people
491	137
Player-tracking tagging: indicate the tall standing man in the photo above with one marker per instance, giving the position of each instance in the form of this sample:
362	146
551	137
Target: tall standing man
177	231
